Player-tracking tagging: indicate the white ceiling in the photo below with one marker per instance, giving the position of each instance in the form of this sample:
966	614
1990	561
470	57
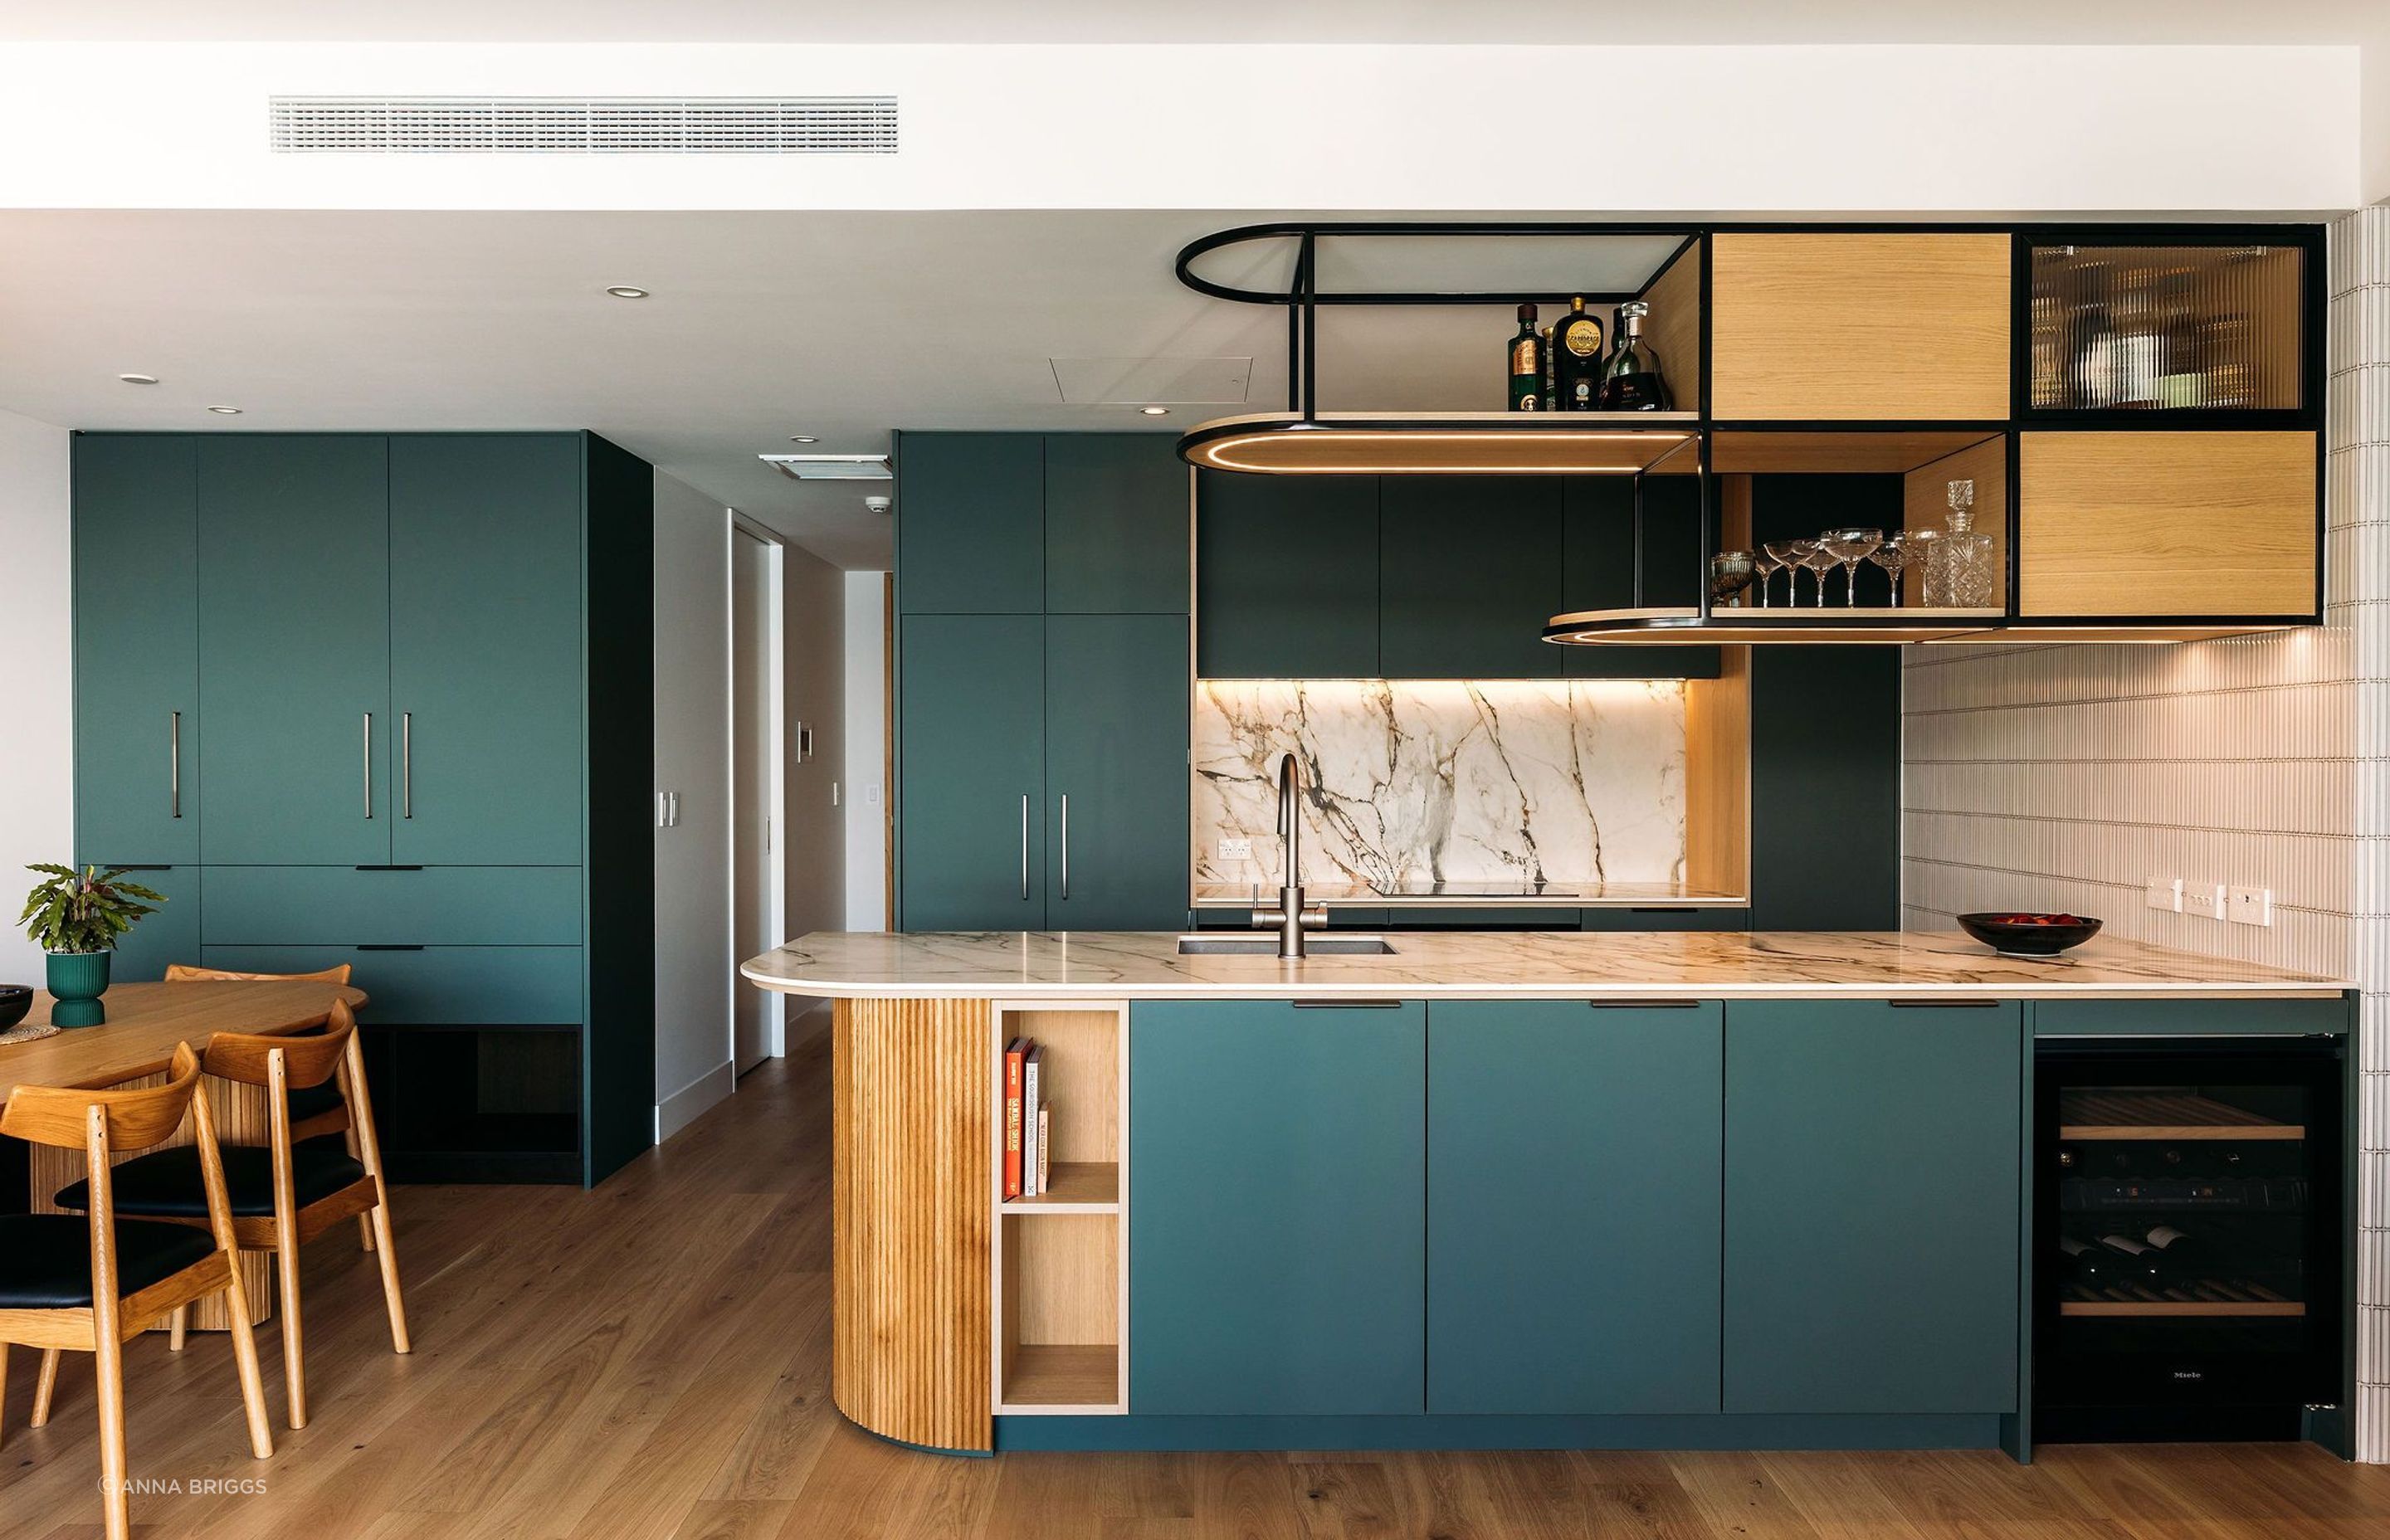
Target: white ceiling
842	325
1219	20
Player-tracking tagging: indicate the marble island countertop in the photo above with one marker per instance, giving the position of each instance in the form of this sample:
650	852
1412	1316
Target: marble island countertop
1683	964
1461	893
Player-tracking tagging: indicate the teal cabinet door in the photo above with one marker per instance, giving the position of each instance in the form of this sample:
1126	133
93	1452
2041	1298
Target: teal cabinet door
972	807
1276	1251
1873	1206
1116	772
1286	576
970	523
1572	1207
170	935
136	648
1116	524
1469	572
294	648
485	570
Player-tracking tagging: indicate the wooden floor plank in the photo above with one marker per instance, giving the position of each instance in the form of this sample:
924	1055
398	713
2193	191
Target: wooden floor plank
651	1362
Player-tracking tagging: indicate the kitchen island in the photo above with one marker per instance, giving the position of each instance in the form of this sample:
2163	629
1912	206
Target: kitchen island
1674	1189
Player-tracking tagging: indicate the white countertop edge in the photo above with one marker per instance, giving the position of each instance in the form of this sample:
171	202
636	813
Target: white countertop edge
1414	901
1291	988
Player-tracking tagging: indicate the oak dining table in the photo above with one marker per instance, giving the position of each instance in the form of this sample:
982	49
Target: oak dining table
133	1046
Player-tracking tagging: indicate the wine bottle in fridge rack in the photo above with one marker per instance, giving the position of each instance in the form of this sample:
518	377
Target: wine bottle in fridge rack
2134	1261
1527	364
2092	1268
1576	358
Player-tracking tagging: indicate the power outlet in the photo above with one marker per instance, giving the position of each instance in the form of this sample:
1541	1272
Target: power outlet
1236	848
2204	899
2163	892
2250	906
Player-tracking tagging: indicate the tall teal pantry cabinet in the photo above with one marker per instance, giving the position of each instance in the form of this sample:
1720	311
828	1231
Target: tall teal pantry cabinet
387	700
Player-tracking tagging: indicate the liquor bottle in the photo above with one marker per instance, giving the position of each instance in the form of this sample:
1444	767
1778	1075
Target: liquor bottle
2184	1256
2091	1264
1631	381
1959	572
2134	1261
1527	365
1576	358
1552	391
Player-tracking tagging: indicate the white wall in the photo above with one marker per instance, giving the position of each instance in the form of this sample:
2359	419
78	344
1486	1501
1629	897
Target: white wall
866	745
1748	128
36	671
814	639
694	967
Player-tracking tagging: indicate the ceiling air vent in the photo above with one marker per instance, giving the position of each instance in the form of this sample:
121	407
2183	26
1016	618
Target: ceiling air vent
590	125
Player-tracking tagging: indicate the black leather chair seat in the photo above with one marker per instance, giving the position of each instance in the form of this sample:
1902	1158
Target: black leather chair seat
311	1101
46	1258
166	1182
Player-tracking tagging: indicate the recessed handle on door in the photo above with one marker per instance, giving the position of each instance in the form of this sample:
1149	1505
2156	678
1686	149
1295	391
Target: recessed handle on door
406	765
1066	844
174	763
369	765
1024	848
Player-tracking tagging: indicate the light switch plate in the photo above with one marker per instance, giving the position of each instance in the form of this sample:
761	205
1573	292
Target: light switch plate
2249	905
2163	892
1237	848
2204	899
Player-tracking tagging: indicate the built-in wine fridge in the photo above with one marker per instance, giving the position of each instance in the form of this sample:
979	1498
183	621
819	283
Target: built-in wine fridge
2189	1248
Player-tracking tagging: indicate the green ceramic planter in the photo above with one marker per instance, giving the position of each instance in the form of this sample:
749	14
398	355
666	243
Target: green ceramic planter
77	979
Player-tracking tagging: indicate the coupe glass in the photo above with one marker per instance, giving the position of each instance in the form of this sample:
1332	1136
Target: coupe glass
1819	561
1916	547
1787	555
1850	547
1763	563
1731	574
1892	555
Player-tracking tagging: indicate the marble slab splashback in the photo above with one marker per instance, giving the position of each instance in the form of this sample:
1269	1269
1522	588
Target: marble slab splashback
1570	782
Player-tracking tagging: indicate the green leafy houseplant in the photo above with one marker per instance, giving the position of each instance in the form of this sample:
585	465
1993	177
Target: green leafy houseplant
74	912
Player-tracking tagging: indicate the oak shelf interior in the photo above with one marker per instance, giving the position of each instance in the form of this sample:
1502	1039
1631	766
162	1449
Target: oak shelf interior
1079	1186
2107	1115
1076	1376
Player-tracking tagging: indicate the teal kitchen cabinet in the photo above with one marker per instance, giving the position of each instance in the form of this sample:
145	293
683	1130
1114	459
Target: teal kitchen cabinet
485	564
136	649
1116	851
970	523
294	648
1116	515
1286	576
1873	1205
1278	1249
1467	572
170	935
972	791
1572	1207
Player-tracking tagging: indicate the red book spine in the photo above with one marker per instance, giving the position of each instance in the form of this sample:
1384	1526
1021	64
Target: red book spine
1014	1054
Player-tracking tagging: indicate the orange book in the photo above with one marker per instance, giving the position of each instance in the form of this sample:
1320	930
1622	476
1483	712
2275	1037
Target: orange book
1015	1054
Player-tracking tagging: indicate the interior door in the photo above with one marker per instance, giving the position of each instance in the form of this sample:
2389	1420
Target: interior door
485	564
294	649
753	684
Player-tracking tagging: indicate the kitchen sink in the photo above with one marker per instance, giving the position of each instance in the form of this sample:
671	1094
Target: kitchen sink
1266	946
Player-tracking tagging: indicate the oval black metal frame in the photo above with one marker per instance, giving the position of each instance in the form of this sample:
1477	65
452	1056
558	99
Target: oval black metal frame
1308	233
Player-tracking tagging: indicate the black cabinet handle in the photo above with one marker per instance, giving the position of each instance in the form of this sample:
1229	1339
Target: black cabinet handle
390	869
1670	1004
1942	1005
1348	1005
388	946
142	869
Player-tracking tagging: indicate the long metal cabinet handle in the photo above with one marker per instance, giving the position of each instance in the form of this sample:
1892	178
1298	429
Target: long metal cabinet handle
1066	844
406	765
174	763
1024	849
369	764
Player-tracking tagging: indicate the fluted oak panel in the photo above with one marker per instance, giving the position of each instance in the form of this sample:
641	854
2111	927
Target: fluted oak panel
910	1142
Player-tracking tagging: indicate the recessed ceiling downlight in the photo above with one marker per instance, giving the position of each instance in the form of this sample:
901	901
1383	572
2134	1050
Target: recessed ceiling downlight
1155	411
138	378
226	411
626	291
803	438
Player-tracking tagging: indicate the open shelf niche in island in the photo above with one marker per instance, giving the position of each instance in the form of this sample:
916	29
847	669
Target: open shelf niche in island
1059	1276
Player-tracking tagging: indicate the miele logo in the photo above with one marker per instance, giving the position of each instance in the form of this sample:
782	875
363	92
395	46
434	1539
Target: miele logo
2189	1374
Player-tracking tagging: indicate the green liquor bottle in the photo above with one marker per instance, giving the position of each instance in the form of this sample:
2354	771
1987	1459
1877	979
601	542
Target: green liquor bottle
1527	365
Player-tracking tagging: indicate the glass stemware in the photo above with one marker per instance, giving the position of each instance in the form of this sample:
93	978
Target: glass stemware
1892	555
1764	565
1849	547
1916	547
1787	555
1819	561
1731	574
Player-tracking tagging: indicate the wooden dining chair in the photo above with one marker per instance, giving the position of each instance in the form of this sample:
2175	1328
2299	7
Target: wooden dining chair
282	1194
92	1284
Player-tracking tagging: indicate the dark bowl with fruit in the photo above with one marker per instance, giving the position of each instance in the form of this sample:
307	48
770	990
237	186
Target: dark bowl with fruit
15	1001
2018	934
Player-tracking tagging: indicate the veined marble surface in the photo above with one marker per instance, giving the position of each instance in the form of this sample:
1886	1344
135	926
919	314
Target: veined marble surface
1639	963
1570	782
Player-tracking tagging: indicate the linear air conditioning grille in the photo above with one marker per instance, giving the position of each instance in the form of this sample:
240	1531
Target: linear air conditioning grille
597	125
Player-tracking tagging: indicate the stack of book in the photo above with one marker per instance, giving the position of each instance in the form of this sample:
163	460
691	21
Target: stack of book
1028	1120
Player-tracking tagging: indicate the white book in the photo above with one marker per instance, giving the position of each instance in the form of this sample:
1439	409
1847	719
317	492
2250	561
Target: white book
1033	1170
1045	1146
